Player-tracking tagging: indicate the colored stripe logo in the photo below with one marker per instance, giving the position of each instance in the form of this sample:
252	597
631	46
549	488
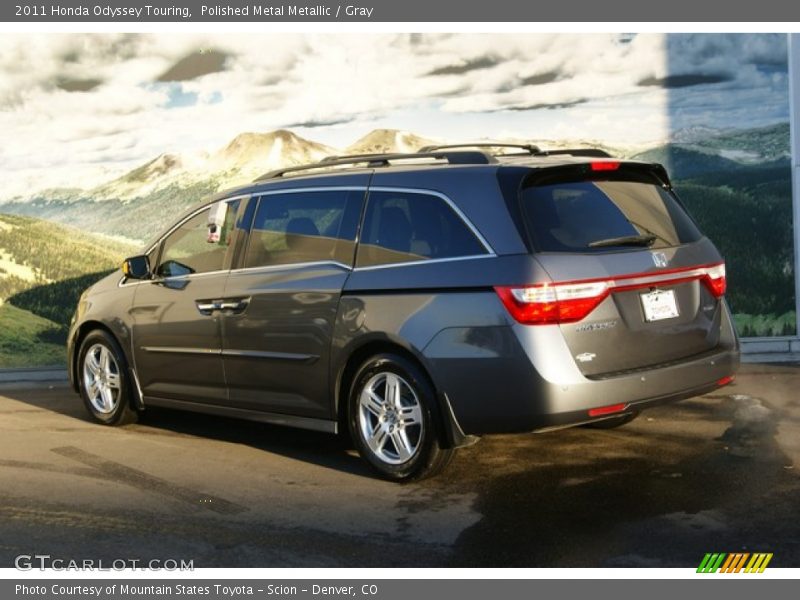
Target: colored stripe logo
739	562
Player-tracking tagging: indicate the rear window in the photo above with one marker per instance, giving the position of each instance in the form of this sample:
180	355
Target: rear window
602	216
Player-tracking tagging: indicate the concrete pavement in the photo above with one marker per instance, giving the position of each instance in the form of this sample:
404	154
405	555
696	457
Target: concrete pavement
718	473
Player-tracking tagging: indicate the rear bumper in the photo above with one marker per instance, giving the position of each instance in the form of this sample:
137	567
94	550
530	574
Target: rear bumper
523	390
632	400
535	404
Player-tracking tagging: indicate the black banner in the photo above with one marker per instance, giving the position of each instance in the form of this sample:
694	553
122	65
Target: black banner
243	11
730	588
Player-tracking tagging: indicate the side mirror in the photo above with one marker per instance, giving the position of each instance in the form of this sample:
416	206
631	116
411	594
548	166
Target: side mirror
136	267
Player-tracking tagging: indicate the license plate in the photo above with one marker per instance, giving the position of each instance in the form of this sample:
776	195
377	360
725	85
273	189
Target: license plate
659	305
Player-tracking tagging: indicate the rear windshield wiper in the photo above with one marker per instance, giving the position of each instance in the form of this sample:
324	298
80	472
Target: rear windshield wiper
625	240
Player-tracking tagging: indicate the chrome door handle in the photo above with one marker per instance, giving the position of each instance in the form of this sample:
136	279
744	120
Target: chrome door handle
206	307
236	305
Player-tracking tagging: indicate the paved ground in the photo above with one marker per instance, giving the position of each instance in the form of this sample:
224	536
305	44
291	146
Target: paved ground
718	473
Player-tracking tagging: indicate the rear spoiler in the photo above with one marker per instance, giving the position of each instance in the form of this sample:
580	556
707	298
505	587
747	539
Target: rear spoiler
613	170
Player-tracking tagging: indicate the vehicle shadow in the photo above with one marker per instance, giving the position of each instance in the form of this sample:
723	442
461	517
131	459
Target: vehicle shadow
313	447
321	449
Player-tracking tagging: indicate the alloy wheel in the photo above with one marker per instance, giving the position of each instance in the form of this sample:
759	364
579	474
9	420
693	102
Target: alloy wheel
101	378
390	418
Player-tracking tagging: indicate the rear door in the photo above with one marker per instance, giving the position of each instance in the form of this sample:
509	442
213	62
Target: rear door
621	249
281	303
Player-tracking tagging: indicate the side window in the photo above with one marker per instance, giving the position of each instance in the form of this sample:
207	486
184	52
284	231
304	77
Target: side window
201	243
403	227
304	227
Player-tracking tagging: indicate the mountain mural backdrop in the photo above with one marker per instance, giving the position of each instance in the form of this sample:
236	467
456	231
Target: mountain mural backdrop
55	242
107	136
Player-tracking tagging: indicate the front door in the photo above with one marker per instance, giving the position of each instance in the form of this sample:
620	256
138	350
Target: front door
176	320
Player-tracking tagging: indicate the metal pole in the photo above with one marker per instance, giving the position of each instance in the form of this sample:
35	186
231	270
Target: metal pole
794	128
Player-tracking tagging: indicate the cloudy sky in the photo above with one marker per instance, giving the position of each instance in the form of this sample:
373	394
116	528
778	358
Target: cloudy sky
79	108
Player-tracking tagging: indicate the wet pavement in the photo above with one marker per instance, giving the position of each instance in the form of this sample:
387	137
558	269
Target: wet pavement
717	473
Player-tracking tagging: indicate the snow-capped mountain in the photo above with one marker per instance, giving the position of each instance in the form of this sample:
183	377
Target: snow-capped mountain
243	159
249	155
388	141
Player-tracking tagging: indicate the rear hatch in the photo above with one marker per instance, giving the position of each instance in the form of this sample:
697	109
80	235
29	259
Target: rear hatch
634	282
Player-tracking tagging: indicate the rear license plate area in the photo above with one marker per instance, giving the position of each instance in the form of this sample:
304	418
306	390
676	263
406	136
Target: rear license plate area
659	305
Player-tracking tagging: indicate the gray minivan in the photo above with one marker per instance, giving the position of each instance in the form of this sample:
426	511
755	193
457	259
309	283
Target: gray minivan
417	301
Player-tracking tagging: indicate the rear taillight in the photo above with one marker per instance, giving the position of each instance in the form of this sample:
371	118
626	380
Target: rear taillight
715	280
568	302
552	303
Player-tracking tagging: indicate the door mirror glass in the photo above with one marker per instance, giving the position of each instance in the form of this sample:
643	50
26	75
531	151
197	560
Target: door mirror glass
136	267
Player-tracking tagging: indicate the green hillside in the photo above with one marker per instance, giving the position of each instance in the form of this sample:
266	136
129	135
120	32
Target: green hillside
44	267
55	251
749	218
27	340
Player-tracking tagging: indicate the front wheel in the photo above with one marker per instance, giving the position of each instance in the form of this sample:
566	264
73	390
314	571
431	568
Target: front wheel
103	380
392	419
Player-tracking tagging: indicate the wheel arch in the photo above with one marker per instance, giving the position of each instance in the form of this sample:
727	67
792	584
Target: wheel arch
450	434
83	330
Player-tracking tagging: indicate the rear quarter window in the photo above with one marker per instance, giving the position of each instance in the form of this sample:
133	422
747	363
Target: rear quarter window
411	227
571	216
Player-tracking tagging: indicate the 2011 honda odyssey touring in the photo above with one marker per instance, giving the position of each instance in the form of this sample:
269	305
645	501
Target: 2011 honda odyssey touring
417	301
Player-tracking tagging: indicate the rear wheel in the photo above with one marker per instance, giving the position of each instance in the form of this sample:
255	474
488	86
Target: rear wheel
614	422
103	380
392	419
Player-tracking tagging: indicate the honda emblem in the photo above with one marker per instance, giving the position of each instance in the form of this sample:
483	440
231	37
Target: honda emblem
660	259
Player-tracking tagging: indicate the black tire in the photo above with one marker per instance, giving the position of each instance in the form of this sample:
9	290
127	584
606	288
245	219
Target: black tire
427	457
614	422
116	409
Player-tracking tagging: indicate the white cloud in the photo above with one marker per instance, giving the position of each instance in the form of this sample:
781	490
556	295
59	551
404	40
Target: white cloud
270	81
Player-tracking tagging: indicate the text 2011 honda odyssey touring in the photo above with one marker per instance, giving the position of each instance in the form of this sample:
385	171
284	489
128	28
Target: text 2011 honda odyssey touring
417	301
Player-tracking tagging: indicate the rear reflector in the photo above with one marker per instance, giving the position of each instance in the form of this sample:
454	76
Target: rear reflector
605	165
726	380
607	410
568	302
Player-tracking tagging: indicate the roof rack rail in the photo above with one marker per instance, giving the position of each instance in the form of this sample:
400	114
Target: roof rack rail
367	157
590	152
384	160
530	148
